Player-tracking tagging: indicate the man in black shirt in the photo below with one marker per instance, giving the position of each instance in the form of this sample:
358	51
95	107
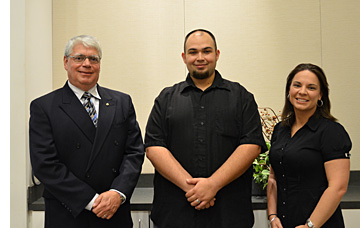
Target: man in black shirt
202	137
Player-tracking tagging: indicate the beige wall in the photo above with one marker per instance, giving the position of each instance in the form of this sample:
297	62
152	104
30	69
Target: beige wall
341	57
260	43
30	77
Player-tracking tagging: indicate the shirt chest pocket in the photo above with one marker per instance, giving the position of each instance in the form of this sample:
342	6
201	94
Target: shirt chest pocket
227	136
226	123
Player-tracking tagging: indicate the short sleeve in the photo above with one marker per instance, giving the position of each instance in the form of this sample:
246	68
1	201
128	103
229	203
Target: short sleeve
251	125
335	142
155	135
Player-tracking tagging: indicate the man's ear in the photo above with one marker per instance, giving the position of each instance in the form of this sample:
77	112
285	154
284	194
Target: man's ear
66	60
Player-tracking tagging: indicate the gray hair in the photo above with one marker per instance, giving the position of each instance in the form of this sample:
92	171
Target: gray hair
86	40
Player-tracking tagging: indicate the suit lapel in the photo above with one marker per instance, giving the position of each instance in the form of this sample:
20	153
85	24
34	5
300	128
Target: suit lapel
73	108
107	107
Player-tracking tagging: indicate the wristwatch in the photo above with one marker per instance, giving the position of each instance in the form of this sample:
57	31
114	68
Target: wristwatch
122	197
309	223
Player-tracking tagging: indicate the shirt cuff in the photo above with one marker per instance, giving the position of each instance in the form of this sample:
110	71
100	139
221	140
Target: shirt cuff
122	194
90	204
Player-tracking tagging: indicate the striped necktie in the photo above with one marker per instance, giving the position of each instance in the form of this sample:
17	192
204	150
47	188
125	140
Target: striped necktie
90	107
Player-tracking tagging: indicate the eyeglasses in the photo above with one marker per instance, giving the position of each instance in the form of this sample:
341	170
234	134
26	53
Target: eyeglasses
93	59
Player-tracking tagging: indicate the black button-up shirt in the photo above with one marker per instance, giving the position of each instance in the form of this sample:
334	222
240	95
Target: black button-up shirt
202	129
298	163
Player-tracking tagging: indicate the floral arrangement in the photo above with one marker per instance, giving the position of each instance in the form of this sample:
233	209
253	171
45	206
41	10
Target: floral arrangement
261	164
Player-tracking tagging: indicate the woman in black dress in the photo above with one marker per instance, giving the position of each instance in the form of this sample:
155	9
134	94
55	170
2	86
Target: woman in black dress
309	156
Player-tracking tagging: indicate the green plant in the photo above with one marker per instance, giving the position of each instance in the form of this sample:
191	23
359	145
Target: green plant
261	165
261	168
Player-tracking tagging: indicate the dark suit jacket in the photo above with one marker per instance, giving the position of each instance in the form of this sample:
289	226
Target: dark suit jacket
74	160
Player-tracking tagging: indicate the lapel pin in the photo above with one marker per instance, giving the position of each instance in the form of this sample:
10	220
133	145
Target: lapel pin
107	104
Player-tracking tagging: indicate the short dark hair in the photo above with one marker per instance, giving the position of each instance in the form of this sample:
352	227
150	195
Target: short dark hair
200	30
288	115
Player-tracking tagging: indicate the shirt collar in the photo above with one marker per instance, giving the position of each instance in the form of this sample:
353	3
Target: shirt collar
314	122
217	83
79	92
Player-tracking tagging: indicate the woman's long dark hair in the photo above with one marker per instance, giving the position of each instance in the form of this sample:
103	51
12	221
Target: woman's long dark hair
288	114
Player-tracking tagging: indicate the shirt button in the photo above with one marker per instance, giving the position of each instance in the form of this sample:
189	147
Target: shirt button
284	189
280	163
283	175
201	123
283	216
202	107
283	203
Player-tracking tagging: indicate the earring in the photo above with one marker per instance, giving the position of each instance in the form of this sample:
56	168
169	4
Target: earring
288	96
320	104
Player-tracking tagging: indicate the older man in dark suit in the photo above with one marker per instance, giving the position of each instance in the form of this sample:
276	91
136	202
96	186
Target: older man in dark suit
85	145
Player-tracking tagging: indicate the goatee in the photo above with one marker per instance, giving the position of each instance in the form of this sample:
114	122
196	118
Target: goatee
198	75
